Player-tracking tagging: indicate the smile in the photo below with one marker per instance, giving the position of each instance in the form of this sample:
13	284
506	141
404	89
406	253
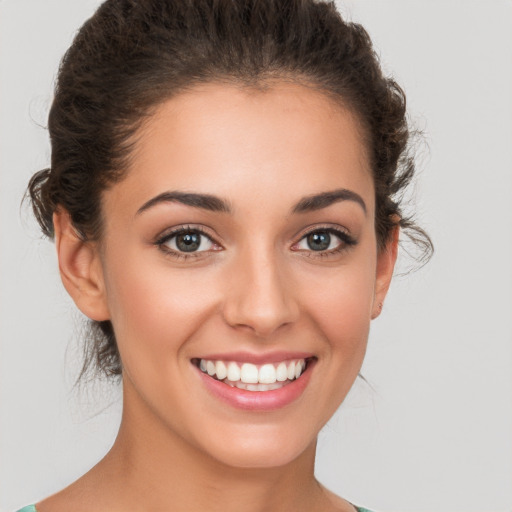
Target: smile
252	377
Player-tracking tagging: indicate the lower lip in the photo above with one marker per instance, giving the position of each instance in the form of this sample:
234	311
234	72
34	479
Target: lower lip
258	400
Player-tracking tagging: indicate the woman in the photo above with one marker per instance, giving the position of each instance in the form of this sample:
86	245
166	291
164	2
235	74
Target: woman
222	195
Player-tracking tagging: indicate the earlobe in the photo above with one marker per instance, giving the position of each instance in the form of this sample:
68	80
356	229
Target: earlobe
80	268
386	260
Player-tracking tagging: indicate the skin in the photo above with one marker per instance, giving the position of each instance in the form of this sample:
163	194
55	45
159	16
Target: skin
257	287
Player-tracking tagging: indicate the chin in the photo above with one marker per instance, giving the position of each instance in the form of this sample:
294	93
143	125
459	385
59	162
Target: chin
265	449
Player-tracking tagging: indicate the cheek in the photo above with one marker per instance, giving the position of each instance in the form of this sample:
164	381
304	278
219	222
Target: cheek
154	309
157	309
341	304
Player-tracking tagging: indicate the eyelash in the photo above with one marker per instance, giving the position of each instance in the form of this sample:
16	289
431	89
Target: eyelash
164	239
347	241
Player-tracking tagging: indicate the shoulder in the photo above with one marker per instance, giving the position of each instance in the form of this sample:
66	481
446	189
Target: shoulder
32	508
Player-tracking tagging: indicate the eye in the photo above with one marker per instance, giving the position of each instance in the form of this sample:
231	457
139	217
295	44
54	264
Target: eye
189	241
184	242
325	240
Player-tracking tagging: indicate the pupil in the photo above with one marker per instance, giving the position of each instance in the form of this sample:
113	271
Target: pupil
188	242
319	241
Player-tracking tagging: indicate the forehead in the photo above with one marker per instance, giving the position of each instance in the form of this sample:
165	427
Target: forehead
243	143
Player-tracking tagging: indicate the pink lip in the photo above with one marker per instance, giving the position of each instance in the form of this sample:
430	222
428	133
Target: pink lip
247	357
258	400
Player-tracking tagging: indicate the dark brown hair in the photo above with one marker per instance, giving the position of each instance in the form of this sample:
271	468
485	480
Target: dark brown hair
134	54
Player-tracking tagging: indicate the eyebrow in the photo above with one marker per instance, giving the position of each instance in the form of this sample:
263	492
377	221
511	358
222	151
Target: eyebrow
325	199
203	201
216	204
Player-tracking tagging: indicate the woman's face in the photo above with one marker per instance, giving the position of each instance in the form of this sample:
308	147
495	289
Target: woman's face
242	241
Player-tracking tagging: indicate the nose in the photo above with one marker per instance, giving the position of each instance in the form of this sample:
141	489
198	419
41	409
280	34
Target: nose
259	296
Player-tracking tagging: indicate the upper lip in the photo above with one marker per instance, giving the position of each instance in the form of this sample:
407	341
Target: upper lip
250	357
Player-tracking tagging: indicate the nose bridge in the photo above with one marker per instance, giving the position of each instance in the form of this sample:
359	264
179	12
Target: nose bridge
260	295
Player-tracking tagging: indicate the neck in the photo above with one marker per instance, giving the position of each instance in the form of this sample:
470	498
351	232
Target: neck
153	469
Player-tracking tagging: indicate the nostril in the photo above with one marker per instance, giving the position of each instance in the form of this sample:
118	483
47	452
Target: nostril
260	301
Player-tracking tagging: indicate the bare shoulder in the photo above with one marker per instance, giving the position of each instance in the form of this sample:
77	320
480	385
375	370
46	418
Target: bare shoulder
338	503
75	498
84	495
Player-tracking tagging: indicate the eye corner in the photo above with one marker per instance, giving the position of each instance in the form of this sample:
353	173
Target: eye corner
163	243
346	241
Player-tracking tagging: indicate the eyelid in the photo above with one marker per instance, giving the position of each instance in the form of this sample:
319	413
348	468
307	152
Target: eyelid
169	234
347	240
343	234
319	227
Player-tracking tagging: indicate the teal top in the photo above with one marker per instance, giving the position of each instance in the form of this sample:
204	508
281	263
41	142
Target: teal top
32	508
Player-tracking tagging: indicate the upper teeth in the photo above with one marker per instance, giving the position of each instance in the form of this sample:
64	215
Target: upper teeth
252	374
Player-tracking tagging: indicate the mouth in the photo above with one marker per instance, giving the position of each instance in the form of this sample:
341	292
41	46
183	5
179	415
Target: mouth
247	376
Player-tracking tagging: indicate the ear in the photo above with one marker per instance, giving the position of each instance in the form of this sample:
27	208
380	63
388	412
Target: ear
386	259
80	268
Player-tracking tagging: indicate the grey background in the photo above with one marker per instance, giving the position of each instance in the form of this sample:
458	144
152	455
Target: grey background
435	433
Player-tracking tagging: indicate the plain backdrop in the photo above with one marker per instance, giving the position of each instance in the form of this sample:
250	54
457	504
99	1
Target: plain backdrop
434	433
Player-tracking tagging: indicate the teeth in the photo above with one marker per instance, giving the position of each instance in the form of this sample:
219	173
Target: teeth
233	372
252	377
255	387
281	372
221	370
267	374
291	370
210	367
249	373
298	369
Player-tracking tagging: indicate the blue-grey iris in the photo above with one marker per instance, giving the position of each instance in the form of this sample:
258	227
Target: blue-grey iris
319	240
188	242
